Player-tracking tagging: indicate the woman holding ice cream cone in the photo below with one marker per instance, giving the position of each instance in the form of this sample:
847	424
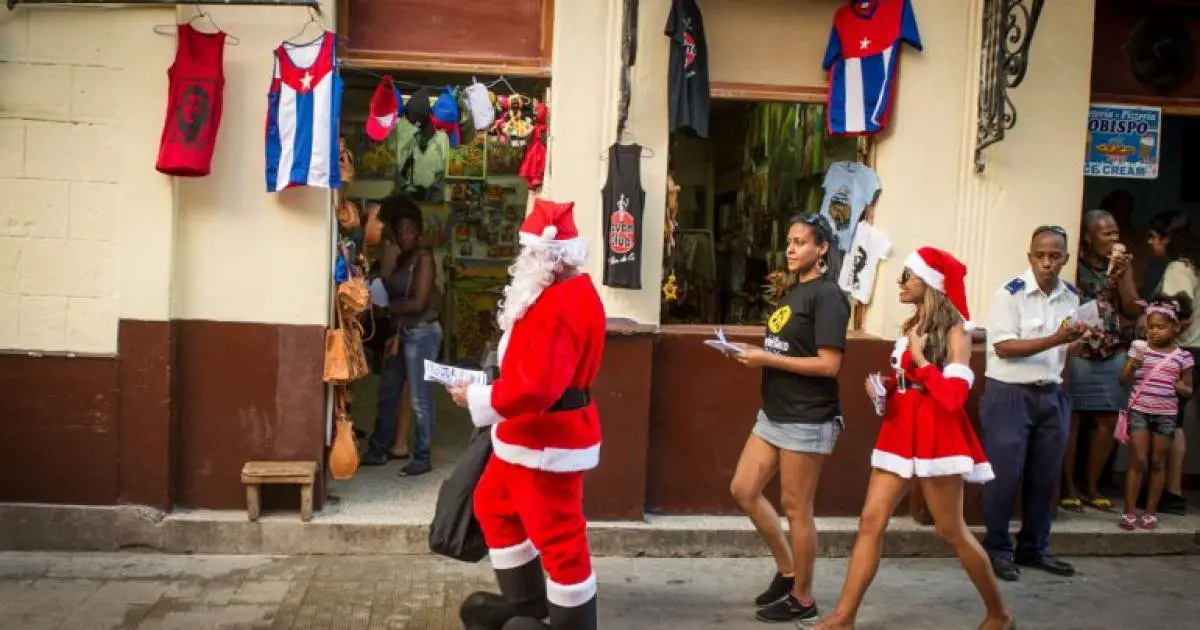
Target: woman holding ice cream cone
1105	277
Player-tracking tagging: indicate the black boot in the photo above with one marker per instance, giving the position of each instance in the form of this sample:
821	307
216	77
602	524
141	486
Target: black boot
523	594
578	618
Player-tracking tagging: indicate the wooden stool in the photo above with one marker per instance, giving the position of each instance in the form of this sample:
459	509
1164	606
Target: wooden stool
255	474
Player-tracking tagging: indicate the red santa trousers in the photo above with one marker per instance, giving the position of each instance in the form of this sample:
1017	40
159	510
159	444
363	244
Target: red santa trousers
524	512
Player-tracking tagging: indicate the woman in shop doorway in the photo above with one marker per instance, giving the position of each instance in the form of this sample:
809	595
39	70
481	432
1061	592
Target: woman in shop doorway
800	419
925	434
1172	239
412	291
1106	277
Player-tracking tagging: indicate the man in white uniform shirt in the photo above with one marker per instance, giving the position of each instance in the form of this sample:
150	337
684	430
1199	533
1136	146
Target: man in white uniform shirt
1025	412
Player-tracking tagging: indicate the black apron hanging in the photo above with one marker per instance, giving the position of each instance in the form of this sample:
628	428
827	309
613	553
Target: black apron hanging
624	203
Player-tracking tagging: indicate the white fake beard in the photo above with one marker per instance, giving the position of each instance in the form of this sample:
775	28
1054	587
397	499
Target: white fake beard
534	269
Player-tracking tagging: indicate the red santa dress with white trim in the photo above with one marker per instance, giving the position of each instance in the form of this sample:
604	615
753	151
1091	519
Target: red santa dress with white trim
926	431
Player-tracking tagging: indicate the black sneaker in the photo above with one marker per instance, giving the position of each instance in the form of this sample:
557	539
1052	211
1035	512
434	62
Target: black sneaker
779	588
415	468
787	609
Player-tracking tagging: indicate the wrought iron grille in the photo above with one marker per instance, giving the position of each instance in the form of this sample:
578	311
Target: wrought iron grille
1008	27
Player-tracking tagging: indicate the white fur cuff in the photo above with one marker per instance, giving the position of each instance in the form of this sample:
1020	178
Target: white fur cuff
958	370
479	402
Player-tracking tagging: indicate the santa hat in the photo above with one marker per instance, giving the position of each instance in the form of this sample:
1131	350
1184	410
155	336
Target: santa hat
550	223
384	111
944	273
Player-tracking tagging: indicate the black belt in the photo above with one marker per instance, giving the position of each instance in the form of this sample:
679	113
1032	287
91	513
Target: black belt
572	399
1036	384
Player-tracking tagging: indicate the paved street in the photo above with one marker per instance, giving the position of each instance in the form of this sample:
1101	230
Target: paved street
147	591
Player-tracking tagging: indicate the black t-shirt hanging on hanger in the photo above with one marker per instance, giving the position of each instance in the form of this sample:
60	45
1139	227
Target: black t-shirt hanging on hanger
689	99
624	203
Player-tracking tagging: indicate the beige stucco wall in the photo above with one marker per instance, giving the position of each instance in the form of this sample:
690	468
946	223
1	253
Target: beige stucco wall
932	194
90	233
242	254
85	221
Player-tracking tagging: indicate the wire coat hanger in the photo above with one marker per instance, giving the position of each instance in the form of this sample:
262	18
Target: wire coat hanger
172	29
314	15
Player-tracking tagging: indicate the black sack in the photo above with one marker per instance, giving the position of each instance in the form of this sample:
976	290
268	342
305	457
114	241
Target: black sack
455	532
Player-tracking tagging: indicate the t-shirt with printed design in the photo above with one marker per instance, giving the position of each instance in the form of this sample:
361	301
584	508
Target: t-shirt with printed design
849	188
811	316
1154	389
870	246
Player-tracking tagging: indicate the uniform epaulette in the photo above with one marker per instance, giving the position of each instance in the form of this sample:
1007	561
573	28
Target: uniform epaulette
1015	285
1072	288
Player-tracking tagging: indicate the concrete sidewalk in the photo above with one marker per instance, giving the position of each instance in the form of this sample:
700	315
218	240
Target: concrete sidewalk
403	530
45	591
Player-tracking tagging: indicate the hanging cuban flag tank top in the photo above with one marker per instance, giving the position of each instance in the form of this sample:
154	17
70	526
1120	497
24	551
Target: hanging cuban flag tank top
303	112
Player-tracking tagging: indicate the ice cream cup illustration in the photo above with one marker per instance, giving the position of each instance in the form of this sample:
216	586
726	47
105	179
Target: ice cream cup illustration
1146	147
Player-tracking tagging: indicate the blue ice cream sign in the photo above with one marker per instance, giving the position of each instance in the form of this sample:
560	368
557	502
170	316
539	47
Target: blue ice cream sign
1123	141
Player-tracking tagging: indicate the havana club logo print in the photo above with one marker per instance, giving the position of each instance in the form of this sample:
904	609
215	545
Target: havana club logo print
622	232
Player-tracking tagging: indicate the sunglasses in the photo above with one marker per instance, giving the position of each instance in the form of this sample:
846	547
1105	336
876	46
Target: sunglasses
816	221
905	276
1053	229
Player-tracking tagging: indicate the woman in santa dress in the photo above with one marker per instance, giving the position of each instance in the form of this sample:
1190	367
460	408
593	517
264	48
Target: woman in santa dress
926	434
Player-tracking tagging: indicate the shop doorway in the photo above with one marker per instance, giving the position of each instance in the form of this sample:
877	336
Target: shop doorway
1135	203
471	200
764	162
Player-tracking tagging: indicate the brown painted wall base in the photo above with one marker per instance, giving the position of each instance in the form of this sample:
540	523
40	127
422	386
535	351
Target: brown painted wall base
701	410
168	421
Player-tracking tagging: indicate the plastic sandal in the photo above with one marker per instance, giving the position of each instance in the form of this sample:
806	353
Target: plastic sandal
1100	503
1071	503
1149	521
1129	522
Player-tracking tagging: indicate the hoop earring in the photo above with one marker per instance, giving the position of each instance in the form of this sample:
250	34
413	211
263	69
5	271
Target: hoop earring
822	266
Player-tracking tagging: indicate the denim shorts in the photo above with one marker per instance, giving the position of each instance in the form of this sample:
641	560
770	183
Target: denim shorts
1157	424
798	437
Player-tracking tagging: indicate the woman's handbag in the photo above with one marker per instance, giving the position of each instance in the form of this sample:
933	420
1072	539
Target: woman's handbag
1121	431
455	532
343	456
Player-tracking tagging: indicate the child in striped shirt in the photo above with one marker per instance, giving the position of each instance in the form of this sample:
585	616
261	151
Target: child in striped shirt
1160	372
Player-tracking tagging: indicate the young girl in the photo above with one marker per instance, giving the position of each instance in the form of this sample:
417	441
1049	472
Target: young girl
925	435
1160	372
800	419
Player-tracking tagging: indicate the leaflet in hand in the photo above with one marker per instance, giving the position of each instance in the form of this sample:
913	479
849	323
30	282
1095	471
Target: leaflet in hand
452	376
878	393
1088	315
721	344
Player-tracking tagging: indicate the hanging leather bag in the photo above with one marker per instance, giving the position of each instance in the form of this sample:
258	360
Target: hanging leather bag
343	456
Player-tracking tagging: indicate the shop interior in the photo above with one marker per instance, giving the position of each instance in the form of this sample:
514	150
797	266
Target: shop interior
1134	202
472	207
763	163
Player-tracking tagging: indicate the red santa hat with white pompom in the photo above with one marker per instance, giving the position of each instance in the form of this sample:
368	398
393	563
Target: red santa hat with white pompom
550	223
944	273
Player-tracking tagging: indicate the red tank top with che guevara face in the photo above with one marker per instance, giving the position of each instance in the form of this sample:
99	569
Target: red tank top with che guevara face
194	99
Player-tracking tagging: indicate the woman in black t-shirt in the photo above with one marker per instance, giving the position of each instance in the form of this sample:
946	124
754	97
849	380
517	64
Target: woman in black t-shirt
801	415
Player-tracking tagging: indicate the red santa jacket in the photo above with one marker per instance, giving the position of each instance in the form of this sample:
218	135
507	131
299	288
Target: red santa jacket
557	345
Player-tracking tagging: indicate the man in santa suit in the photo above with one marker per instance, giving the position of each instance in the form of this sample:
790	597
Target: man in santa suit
545	435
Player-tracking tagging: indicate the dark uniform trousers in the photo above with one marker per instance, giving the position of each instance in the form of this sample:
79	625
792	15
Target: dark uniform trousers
1025	430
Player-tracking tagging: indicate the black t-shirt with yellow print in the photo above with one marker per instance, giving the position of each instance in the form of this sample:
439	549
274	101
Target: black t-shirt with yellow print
812	315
